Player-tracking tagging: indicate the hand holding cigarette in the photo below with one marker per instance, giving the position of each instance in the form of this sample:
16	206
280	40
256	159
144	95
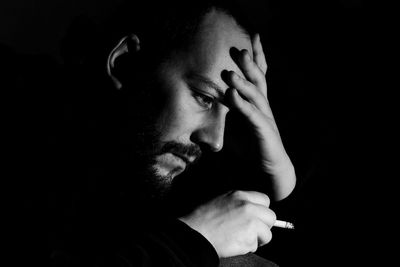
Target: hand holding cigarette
235	223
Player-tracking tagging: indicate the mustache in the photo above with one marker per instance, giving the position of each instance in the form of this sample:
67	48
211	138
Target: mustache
188	150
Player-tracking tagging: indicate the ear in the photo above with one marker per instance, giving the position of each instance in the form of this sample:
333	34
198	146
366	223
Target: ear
128	45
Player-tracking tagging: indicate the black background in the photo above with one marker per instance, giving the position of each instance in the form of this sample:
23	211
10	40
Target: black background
321	86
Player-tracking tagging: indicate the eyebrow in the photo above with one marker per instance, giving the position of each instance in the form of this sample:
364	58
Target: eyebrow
209	83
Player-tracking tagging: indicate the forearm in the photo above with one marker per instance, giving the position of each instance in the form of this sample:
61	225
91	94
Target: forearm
283	182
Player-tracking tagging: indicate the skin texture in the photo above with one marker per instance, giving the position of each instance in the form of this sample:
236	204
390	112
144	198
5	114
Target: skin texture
188	122
186	118
194	114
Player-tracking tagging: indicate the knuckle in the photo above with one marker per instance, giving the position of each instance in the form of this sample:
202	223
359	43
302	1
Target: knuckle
268	237
267	200
251	242
254	247
260	74
239	195
264	198
273	215
247	208
263	69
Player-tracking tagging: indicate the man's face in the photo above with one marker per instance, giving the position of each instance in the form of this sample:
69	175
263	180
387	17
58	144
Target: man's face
192	117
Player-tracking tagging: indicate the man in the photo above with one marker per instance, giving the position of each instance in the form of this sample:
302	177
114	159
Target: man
177	91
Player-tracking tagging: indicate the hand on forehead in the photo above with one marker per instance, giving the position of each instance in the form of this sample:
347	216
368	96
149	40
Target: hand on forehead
211	51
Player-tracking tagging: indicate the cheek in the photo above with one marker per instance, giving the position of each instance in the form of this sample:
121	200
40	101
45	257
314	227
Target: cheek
178	118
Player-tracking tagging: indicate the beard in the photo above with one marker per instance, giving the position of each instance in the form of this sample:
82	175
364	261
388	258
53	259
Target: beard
157	184
139	144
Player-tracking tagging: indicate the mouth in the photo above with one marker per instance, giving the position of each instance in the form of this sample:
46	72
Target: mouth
169	164
186	159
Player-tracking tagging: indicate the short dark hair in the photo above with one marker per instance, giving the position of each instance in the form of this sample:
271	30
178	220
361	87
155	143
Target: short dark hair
170	25
162	26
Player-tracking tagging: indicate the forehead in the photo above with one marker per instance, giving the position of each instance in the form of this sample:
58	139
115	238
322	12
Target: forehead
209	54
217	33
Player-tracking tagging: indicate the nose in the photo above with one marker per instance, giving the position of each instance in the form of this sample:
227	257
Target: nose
211	133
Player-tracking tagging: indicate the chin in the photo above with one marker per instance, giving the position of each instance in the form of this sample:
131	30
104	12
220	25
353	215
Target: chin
165	176
159	182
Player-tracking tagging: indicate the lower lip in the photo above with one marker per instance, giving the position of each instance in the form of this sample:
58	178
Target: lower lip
171	160
180	159
170	163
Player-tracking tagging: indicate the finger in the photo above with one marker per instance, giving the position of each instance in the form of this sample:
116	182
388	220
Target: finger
252	196
264	234
258	53
263	120
251	71
249	91
245	107
265	214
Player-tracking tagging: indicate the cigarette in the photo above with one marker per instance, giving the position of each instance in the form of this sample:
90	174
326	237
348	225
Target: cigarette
283	224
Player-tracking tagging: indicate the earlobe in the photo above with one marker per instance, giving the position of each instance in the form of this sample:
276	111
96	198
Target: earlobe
128	44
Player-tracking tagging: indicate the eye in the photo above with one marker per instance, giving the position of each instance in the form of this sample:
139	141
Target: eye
204	100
